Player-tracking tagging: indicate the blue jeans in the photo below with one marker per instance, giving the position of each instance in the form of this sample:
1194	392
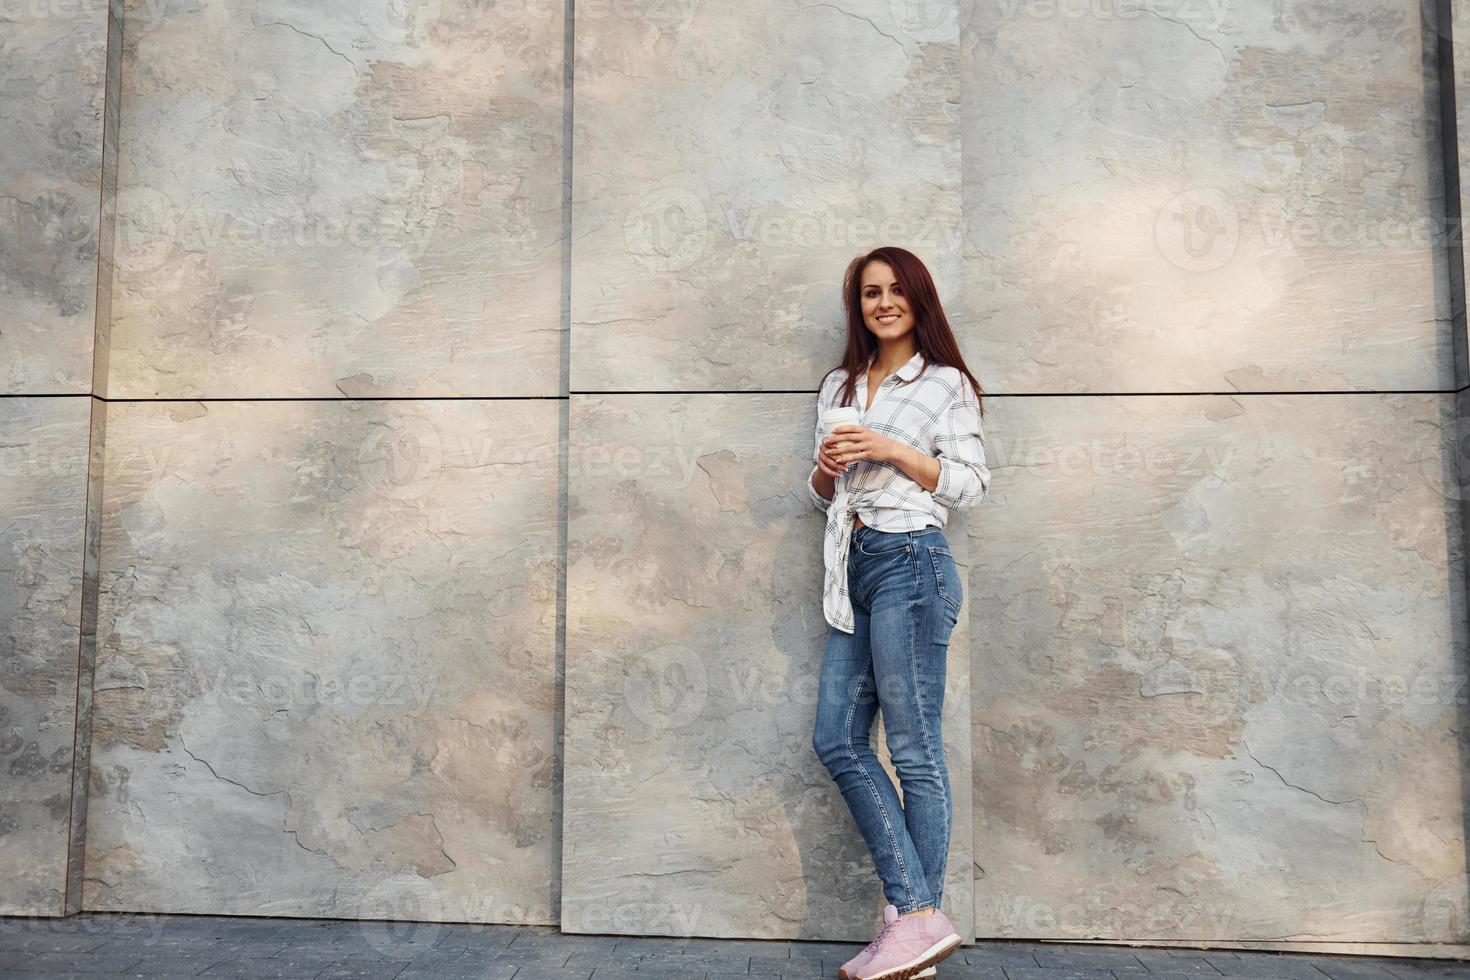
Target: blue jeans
906	594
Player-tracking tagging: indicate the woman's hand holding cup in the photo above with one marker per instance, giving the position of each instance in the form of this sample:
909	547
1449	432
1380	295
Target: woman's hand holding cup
847	442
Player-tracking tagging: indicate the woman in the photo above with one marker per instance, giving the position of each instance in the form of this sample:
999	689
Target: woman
893	592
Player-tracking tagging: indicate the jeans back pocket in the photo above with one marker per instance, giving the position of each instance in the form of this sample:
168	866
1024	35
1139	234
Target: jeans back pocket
947	576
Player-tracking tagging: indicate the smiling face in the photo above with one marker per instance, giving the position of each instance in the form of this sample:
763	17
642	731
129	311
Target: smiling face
885	307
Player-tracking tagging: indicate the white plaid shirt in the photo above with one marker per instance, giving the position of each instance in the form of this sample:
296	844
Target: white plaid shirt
940	415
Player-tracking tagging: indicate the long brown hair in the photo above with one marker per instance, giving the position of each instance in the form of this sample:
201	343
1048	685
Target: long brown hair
935	338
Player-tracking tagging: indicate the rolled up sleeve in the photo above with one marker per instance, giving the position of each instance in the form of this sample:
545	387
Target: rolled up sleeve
819	501
964	479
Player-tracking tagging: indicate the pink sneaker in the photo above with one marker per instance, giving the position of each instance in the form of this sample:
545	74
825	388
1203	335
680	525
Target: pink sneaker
849	970
910	945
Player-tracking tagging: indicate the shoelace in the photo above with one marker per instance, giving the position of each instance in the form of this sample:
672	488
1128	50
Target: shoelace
887	928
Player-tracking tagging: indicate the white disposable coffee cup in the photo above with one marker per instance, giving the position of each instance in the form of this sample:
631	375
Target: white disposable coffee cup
834	417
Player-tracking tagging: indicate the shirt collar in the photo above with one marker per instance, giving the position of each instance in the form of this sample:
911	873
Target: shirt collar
908	372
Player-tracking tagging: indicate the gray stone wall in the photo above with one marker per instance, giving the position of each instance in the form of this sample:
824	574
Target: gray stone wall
59	72
326	660
53	84
441	548
706	266
44	486
1221	679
